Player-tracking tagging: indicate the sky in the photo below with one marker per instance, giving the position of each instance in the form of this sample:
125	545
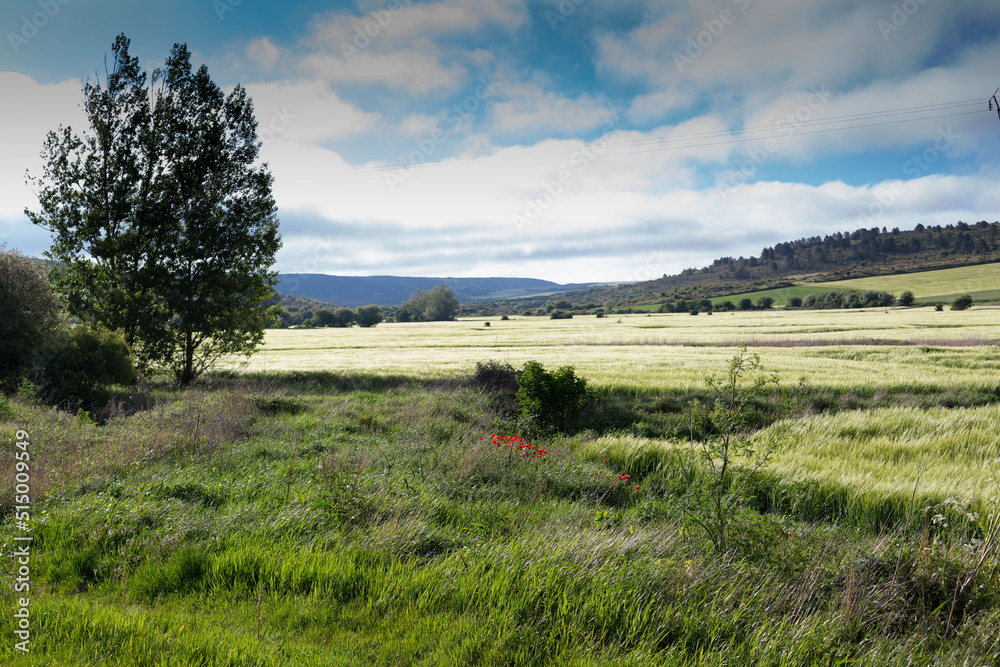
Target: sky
567	140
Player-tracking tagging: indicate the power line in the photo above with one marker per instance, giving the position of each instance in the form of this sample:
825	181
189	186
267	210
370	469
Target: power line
741	135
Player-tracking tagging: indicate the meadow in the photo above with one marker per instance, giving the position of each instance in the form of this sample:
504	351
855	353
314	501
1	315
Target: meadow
936	286
340	499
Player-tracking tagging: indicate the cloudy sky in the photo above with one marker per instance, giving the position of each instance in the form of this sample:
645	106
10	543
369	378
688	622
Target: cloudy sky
570	140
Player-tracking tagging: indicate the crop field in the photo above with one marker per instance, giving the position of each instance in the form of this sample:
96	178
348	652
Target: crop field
869	348
365	497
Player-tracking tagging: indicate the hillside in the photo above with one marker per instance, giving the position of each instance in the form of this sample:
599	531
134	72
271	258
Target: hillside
862	253
356	291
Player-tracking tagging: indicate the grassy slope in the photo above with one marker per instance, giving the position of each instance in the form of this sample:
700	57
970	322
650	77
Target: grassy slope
346	517
982	282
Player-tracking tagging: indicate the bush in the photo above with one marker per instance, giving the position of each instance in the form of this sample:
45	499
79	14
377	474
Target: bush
438	305
906	299
83	364
550	400
795	302
495	377
30	315
560	315
963	302
368	316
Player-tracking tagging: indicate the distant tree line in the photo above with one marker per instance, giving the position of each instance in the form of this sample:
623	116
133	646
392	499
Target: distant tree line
838	299
301	316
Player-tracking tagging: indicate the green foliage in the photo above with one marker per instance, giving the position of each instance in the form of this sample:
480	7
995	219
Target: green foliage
717	485
963	302
906	299
560	315
30	315
438	305
795	302
164	224
83	365
835	299
368	316
551	400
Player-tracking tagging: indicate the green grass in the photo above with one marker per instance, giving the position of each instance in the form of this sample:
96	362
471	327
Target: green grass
940	285
340	503
982	282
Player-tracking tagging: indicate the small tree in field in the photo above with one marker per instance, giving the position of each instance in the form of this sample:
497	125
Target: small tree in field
906	299
717	490
962	303
368	316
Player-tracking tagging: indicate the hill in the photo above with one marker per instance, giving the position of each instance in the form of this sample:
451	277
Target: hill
356	291
792	266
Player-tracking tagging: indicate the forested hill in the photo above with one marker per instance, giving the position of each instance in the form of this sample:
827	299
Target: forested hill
854	254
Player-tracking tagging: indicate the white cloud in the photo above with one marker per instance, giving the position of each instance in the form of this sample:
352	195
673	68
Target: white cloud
28	113
263	52
530	108
405	45
306	112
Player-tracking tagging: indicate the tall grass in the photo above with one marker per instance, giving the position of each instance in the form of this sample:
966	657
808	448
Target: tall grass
309	520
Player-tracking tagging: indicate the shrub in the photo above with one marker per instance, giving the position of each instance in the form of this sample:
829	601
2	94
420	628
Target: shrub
83	364
693	311
906	299
343	317
963	302
550	400
745	304
495	377
368	316
30	314
795	302
560	315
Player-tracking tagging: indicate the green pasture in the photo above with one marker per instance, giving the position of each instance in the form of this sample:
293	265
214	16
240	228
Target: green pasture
981	281
338	500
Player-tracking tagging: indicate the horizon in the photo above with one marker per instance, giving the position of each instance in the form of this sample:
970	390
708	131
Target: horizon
581	142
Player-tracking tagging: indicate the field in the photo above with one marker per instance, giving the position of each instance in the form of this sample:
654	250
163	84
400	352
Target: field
339	499
981	282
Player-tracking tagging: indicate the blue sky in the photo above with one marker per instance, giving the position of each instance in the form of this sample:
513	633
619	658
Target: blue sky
571	140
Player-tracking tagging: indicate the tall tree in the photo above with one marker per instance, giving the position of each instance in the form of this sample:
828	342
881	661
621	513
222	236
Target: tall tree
164	221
